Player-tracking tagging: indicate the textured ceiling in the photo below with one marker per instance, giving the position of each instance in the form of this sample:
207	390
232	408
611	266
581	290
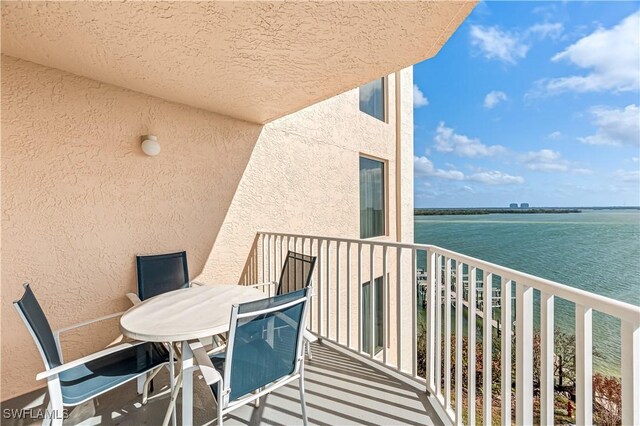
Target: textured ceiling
255	61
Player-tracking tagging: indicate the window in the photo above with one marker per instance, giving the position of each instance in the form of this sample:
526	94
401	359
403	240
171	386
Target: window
372	198
372	99
377	315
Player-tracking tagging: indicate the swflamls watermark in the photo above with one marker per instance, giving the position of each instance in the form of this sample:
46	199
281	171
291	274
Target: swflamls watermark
34	413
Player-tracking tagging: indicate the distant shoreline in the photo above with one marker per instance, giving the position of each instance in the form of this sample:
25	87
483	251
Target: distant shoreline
496	210
465	212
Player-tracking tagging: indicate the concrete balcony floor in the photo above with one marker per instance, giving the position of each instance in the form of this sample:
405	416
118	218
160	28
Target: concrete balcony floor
340	390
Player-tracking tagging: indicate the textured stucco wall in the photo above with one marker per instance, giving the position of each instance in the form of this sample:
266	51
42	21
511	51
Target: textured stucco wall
79	199
255	60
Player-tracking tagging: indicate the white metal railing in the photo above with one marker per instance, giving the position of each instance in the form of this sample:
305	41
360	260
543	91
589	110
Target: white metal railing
336	314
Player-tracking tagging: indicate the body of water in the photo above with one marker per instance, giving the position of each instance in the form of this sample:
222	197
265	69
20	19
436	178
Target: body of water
596	250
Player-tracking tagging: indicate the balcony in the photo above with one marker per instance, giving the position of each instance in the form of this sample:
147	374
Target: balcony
416	374
455	364
340	389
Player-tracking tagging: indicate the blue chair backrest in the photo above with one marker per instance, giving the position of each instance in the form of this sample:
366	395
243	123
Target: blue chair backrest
265	343
36	322
297	272
161	273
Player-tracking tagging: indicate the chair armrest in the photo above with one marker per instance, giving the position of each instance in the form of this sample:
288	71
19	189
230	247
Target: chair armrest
64	367
85	323
134	298
310	336
209	372
263	284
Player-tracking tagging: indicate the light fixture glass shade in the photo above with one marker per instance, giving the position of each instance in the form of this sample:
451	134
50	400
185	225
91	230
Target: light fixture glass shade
150	145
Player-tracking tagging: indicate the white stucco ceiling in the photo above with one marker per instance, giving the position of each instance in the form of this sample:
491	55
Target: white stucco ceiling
256	61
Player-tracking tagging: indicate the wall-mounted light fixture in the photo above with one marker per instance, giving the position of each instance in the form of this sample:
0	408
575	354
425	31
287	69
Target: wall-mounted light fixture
150	145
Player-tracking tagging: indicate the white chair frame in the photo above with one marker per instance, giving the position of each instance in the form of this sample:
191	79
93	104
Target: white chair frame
212	376
54	414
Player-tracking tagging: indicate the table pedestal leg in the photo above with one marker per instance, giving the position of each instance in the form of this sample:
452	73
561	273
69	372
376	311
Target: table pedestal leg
187	384
174	388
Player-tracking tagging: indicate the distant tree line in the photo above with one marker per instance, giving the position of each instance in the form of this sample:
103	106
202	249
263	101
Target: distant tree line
466	212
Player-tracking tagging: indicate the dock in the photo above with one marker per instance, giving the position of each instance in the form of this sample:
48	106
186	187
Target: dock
496	296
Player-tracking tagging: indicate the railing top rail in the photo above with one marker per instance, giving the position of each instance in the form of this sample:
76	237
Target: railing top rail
622	310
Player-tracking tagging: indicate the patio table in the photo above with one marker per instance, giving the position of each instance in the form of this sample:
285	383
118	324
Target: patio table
182	315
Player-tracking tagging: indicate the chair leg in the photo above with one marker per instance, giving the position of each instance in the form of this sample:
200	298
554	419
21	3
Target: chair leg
220	401
308	344
140	388
304	405
47	419
56	413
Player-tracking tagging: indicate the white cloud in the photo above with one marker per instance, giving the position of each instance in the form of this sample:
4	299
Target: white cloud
549	161
511	46
547	29
448	141
495	177
612	57
493	98
615	126
634	159
554	135
419	99
424	167
628	176
495	43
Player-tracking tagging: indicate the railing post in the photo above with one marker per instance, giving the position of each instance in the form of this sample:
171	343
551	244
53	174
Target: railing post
546	359
372	301
399	307
319	291
359	283
349	295
431	319
439	302
584	366
414	314
447	335
338	282
505	309
385	298
487	336
471	352
269	258
459	308
328	292
524	354
263	278
630	360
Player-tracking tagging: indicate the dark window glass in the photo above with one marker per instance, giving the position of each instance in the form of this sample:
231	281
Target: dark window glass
371	198
377	315
372	98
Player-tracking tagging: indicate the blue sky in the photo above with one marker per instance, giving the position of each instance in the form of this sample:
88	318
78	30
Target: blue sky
532	102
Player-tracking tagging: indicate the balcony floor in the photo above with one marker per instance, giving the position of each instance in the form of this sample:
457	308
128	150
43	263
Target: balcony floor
340	390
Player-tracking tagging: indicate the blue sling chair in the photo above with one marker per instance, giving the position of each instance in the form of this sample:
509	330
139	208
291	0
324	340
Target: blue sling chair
296	274
72	383
158	274
257	359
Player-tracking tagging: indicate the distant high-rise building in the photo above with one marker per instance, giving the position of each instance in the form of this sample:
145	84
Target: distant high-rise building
524	205
513	205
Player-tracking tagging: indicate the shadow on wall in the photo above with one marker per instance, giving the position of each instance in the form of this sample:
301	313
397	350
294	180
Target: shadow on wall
80	199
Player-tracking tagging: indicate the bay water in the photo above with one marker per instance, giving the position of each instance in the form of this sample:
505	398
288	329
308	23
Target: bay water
595	250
